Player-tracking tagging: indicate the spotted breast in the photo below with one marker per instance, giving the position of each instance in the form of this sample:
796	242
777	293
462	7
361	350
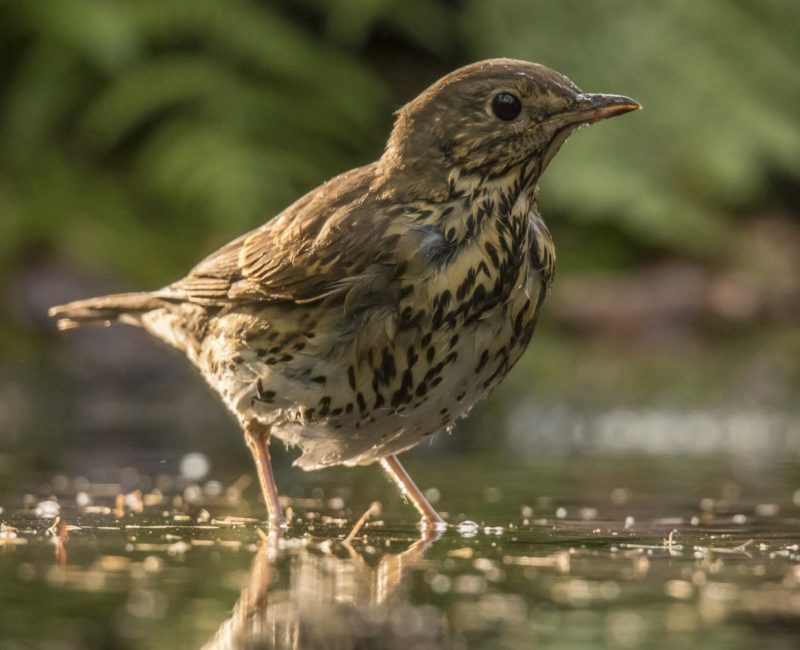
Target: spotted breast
410	349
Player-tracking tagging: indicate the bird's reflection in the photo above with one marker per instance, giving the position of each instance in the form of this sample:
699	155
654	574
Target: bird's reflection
331	596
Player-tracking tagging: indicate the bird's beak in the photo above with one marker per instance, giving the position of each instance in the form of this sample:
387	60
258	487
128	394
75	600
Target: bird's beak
593	107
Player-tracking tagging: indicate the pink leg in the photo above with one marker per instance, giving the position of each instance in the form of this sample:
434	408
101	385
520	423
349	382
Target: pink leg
258	443
407	486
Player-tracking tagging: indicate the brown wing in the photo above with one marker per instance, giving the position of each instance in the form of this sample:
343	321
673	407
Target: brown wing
323	245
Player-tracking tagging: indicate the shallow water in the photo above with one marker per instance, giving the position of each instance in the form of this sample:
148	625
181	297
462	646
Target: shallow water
621	552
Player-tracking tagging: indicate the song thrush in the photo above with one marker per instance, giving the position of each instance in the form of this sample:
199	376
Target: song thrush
381	306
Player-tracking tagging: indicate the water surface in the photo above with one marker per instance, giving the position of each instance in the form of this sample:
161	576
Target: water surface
619	552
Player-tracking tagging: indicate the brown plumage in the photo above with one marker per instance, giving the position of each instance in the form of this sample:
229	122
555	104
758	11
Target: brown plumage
383	305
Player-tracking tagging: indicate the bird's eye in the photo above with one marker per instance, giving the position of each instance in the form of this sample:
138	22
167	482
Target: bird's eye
506	106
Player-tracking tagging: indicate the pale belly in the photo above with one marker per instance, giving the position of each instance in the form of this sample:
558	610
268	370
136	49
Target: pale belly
352	400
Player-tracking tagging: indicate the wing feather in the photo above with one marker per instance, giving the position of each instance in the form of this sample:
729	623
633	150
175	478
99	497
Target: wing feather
320	247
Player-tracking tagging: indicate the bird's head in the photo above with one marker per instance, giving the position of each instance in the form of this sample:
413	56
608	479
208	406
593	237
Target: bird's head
490	116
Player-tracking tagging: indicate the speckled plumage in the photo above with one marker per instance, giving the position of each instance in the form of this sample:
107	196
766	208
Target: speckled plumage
381	306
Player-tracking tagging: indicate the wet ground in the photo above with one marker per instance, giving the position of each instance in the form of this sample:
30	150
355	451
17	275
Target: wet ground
588	552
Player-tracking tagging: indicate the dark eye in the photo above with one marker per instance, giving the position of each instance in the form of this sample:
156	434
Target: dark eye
506	106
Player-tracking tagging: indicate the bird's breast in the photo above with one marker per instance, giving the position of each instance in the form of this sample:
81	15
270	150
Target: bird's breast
474	308
374	381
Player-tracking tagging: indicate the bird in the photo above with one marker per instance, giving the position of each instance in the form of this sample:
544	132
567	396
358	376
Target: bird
380	307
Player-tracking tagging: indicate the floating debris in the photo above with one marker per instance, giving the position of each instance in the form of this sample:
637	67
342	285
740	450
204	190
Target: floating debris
560	560
9	536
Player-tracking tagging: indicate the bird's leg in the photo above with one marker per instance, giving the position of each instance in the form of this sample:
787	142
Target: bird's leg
258	442
392	466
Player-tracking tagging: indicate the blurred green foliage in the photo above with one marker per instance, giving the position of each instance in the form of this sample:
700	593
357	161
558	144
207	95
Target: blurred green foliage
136	135
720	86
132	130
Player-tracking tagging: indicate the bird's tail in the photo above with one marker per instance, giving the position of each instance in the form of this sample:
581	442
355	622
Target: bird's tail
127	307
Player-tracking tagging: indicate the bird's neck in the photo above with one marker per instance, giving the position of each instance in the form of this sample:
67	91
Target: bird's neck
507	187
399	179
473	248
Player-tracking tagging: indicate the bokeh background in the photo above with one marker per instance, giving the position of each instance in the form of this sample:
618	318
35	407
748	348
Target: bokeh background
138	135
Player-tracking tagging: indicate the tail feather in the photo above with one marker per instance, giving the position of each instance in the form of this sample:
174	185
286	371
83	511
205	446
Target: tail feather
105	309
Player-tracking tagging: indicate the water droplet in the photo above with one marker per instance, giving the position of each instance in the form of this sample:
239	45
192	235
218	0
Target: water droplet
194	466
620	496
767	509
213	488
193	493
433	495
440	583
47	509
468	528
492	494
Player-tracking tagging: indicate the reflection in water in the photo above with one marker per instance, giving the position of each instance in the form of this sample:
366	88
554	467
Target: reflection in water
329	596
704	561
